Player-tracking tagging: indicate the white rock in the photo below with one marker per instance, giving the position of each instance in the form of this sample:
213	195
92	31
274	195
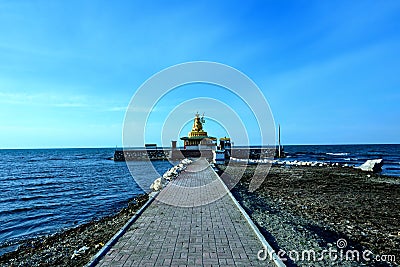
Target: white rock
79	252
372	165
171	173
158	184
167	176
186	161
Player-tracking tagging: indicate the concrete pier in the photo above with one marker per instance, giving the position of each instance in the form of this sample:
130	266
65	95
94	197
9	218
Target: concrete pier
168	153
194	221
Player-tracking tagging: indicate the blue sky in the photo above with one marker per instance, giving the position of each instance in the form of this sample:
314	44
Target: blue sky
328	69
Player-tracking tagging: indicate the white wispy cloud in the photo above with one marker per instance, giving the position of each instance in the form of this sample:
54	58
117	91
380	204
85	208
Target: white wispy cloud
43	99
117	108
61	100
301	77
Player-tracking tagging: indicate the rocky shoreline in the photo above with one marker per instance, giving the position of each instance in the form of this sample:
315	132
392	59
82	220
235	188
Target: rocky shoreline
72	247
300	208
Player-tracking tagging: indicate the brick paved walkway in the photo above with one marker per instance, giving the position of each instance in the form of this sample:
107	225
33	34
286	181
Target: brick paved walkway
176	231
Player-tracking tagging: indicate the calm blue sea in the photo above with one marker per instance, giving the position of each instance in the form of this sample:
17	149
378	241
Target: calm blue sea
44	191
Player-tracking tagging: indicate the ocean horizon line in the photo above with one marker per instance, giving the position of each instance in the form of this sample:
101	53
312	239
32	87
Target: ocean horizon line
251	145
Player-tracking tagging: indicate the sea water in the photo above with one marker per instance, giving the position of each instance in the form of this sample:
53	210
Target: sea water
45	190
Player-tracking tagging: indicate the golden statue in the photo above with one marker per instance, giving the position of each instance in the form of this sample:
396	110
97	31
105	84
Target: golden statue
197	135
197	129
197	125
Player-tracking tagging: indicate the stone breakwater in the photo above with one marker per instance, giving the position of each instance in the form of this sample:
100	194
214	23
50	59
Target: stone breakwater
374	165
169	175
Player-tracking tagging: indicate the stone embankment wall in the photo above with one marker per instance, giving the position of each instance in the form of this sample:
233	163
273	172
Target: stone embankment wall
164	154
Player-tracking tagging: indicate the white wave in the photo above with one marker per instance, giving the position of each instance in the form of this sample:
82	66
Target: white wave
348	159
337	154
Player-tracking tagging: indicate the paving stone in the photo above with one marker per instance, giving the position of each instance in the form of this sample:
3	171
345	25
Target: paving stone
193	222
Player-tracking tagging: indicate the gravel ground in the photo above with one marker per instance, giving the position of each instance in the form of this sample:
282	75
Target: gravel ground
59	249
311	208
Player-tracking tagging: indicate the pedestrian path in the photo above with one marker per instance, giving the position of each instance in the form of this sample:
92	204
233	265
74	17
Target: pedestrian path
192	222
